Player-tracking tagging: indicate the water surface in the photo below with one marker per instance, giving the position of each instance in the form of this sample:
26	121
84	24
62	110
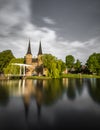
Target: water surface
56	103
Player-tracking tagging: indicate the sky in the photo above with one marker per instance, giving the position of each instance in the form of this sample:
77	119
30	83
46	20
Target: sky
64	27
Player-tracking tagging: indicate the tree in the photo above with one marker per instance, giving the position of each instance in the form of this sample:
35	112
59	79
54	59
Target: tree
61	66
77	66
12	69
69	61
93	63
55	67
5	58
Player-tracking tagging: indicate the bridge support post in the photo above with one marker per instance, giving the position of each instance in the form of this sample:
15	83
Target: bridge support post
24	70
20	70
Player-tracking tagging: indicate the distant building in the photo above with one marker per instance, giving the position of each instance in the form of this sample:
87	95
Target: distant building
36	64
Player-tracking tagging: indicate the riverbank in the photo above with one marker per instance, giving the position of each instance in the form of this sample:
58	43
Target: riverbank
63	76
3	78
79	76
66	76
38	77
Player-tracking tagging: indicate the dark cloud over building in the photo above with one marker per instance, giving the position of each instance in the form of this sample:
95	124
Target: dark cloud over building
63	26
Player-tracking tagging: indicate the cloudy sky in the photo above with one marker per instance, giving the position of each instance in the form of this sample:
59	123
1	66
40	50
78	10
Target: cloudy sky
65	27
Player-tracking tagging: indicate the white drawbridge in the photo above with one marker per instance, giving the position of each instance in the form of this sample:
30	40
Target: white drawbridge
22	68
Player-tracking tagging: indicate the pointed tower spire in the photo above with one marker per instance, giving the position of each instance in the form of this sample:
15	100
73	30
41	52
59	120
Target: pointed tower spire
40	49
29	48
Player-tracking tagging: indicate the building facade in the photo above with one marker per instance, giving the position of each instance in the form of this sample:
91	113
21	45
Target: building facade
35	64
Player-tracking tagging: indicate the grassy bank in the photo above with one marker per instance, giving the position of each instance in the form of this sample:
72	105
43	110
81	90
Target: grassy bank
79	76
63	76
66	76
38	77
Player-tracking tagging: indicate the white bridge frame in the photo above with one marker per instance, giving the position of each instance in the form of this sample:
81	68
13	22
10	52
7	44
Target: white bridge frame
22	67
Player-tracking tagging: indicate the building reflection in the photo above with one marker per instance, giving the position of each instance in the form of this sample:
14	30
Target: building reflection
33	90
65	82
39	96
26	95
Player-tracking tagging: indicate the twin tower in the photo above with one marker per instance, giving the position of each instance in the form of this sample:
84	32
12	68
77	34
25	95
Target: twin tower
34	65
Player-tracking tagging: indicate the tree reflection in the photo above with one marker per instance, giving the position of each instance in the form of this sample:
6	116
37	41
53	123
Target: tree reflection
71	89
94	89
79	85
53	90
4	94
75	87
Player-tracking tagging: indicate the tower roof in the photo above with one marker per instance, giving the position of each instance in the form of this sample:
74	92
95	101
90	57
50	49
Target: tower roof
29	48
40	49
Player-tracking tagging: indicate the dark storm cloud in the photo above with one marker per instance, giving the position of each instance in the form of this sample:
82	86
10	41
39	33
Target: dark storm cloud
14	15
64	27
3	3
76	19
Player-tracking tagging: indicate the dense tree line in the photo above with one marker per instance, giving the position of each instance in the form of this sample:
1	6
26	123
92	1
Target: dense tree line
92	65
55	66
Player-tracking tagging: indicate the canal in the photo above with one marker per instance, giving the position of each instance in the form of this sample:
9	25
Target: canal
54	103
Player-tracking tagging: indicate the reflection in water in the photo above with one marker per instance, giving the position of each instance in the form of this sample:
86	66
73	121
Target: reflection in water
71	89
79	85
94	89
29	91
50	99
48	91
4	95
53	91
74	88
39	96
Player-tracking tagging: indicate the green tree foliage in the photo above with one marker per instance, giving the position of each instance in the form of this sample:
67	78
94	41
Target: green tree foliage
55	67
69	61
12	69
93	63
5	58
77	66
